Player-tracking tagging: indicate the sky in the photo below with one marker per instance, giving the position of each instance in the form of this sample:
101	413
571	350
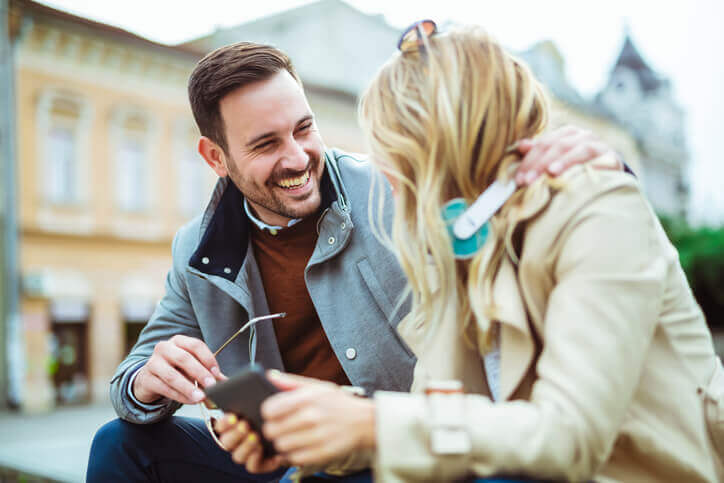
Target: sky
681	40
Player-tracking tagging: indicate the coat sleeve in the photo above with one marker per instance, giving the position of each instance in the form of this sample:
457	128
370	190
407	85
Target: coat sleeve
173	315
609	264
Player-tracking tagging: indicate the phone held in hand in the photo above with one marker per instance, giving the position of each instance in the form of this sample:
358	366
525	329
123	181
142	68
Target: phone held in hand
242	394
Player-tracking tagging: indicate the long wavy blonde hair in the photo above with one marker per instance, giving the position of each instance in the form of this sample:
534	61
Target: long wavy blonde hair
438	124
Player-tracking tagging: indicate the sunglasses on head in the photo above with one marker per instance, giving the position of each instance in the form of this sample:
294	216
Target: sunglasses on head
412	38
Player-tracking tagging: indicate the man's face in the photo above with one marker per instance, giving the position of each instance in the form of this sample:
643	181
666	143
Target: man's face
275	152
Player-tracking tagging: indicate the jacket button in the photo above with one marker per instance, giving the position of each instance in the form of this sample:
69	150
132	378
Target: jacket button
350	353
344	225
331	240
227	270
205	260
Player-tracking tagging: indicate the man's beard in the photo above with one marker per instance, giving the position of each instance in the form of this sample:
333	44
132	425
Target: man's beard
266	197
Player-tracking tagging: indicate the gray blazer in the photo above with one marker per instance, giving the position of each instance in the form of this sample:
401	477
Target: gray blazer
214	287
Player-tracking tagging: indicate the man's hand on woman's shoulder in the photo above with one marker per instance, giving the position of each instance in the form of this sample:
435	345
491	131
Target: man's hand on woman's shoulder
556	151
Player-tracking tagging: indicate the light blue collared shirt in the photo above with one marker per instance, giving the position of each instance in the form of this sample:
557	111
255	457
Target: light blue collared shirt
264	226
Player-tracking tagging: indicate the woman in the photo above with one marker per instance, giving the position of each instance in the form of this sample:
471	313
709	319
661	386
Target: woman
581	350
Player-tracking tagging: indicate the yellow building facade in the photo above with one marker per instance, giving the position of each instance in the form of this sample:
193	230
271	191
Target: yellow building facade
107	171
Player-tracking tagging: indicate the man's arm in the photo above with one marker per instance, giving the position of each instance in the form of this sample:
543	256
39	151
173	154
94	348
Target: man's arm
168	351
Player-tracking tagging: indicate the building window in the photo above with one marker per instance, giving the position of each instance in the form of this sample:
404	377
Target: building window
132	166
63	122
192	175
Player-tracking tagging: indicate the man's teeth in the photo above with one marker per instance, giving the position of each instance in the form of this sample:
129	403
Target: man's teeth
294	182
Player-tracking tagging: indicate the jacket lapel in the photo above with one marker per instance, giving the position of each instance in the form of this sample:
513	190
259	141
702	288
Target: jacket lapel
517	347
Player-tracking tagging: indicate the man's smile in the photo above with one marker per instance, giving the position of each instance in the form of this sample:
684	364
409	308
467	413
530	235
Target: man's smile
296	182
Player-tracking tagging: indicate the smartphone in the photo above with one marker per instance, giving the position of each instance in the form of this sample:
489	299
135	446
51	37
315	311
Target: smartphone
242	394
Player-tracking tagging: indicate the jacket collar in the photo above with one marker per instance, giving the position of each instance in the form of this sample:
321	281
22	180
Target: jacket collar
225	227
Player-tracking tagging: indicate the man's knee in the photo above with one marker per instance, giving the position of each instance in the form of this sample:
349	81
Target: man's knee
108	435
109	452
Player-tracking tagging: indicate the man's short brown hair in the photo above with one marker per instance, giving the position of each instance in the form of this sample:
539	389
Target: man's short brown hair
224	70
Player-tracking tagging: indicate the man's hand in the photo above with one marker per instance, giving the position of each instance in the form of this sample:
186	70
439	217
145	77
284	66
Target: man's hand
559	150
172	369
244	446
313	422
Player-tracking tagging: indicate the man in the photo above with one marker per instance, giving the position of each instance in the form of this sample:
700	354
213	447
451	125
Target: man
286	230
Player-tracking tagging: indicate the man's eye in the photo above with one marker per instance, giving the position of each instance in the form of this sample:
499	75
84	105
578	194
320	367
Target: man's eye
305	127
262	146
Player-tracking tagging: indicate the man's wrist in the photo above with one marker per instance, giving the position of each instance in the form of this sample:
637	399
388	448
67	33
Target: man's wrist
156	404
139	395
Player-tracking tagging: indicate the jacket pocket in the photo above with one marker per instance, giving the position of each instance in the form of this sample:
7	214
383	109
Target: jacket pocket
392	312
713	399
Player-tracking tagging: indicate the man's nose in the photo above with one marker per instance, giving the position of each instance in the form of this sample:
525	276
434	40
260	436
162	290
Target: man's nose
296	158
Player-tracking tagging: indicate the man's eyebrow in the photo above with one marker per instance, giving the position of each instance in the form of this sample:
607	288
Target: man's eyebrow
266	135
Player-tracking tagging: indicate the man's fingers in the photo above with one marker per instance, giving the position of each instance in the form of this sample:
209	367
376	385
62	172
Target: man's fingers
525	145
182	359
551	157
526	171
577	155
154	384
200	351
546	148
175	380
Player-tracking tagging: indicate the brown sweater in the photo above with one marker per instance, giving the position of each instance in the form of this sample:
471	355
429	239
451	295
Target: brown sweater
282	258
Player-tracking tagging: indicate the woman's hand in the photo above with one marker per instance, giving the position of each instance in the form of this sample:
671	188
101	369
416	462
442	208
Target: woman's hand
244	446
314	422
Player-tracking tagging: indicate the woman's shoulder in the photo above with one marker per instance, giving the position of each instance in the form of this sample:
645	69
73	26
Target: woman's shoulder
601	206
586	190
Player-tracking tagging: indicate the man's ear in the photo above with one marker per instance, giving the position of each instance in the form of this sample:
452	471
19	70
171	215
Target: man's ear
214	156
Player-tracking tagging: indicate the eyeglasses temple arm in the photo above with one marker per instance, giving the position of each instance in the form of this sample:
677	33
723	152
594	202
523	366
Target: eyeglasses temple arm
246	326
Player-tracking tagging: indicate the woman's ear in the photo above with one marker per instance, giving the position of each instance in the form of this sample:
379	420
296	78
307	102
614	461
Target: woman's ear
214	156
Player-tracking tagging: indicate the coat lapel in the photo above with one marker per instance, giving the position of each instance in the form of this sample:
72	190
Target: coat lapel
517	347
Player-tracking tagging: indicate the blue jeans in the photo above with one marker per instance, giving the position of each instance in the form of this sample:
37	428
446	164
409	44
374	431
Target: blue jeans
177	449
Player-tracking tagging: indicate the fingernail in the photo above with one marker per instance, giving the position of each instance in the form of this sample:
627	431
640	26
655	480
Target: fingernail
251	438
274	373
215	371
241	427
519	178
197	395
231	418
209	381
556	167
530	177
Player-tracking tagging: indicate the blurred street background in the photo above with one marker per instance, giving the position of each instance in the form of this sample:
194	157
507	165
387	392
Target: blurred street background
99	165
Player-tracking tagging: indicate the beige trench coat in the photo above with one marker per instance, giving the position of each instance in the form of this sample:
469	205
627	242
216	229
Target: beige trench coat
607	366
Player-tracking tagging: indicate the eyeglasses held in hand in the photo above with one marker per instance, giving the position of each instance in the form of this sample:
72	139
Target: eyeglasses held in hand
412	37
205	413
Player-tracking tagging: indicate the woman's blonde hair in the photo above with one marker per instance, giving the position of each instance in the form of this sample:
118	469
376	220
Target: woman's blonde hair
438	122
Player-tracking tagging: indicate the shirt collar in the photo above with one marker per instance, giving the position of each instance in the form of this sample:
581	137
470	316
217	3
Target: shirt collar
265	226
